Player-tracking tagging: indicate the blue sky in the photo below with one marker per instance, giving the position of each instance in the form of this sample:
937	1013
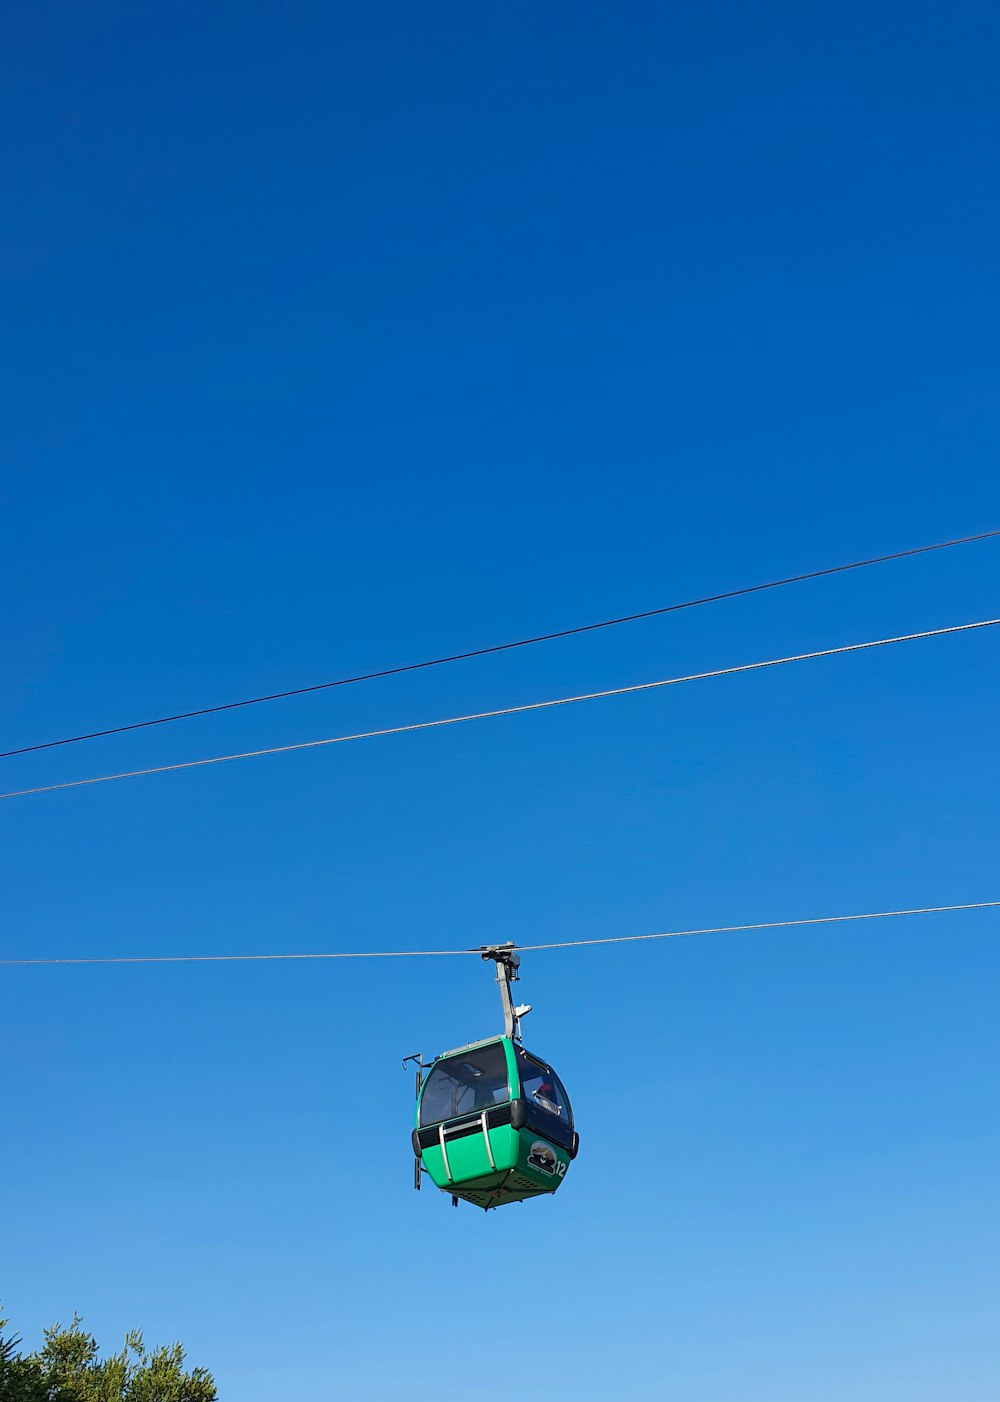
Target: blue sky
342	337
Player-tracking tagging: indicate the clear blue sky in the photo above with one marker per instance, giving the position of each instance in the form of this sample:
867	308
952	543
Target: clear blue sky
340	336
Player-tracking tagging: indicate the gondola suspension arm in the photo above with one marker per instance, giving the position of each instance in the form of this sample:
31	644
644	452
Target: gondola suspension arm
508	963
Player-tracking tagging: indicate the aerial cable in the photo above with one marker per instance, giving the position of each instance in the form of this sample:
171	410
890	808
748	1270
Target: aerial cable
521	948
504	710
503	647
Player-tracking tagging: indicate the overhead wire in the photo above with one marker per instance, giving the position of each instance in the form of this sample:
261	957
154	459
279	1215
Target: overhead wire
504	710
521	948
503	647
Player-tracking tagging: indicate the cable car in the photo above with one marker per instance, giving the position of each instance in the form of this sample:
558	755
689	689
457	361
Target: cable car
493	1124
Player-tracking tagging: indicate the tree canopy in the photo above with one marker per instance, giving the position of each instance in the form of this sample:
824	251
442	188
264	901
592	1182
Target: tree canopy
67	1369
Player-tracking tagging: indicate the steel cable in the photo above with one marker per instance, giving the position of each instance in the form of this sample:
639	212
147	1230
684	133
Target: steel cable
521	949
505	647
505	710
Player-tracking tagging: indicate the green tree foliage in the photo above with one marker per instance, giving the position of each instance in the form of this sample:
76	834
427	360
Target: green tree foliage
20	1378
67	1369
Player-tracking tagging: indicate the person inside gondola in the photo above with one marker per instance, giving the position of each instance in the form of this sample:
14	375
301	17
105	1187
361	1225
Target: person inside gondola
548	1097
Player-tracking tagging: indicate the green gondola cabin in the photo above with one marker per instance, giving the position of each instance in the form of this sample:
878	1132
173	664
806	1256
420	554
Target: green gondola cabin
494	1123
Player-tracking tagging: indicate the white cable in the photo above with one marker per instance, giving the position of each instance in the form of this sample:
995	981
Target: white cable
765	925
506	710
522	948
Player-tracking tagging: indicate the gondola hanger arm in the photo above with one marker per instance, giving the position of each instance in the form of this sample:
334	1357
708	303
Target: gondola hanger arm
508	963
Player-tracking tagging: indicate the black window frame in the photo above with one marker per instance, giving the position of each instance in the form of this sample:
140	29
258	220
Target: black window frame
442	1061
550	1070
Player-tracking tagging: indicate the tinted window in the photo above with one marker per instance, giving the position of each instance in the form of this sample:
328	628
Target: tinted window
542	1087
465	1084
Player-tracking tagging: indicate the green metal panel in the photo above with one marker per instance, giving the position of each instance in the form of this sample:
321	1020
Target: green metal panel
468	1158
526	1166
512	1080
541	1161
